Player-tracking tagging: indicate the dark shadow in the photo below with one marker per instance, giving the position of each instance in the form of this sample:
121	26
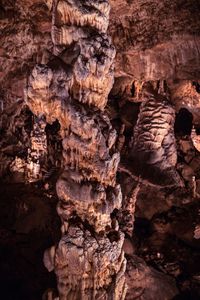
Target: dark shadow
28	226
196	86
183	122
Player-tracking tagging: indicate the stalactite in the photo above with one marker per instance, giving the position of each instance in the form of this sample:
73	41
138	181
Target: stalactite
73	88
127	214
37	153
154	147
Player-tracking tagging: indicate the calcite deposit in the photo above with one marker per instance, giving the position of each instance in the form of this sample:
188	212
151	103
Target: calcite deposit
87	188
154	146
37	153
99	149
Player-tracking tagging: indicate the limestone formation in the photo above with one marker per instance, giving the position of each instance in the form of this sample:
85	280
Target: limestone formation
100	149
153	46
84	266
126	215
154	142
37	153
89	263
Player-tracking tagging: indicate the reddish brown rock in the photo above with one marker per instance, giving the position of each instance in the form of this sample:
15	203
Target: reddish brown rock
88	264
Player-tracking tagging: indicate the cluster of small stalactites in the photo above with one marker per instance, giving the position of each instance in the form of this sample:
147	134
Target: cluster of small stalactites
88	139
83	25
92	201
79	16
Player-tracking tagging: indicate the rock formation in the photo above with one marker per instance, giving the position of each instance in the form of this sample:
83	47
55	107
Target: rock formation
152	46
154	146
88	261
146	283
126	214
100	149
37	153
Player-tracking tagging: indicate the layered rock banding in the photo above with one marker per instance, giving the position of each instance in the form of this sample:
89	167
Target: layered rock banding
154	144
73	88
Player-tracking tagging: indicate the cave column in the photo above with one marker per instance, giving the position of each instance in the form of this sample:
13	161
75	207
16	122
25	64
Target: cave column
73	88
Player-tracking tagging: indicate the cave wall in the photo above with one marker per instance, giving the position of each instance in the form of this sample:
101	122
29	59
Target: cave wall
113	76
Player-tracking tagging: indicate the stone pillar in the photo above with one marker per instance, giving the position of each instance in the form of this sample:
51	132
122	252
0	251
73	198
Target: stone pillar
73	88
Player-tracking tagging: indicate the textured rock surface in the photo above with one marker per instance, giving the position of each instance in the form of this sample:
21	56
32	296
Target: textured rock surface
146	283
153	148
87	188
84	265
62	129
38	149
156	40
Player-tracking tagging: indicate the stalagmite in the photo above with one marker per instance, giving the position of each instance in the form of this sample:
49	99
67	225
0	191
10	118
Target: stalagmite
73	88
